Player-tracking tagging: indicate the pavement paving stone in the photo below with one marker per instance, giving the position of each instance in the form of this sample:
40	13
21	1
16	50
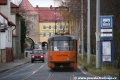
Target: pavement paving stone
13	64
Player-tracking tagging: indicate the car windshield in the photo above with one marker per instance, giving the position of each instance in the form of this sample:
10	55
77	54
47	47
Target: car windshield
37	51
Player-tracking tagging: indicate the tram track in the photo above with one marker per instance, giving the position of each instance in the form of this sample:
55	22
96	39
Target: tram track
33	72
72	77
67	73
50	76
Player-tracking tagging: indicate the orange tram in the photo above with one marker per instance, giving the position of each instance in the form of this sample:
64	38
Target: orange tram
62	51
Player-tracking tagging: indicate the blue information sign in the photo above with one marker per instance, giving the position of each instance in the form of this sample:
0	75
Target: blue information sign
106	49
106	21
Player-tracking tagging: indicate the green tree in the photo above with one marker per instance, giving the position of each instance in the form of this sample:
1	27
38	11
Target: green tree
23	34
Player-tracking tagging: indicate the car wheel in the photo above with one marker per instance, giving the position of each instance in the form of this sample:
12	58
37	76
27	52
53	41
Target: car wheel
32	61
43	61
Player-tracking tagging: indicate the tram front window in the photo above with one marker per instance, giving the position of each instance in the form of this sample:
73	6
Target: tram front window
62	45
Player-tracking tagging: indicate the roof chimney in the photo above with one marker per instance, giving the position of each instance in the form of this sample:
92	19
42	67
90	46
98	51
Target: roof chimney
51	7
36	6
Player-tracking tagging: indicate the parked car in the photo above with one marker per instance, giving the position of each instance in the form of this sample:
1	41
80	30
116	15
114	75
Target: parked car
37	55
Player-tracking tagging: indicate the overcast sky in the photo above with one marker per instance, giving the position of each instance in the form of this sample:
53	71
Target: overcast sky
43	3
40	3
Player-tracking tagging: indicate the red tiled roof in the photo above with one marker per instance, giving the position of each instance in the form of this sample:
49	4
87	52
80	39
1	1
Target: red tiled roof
27	7
46	14
13	5
3	2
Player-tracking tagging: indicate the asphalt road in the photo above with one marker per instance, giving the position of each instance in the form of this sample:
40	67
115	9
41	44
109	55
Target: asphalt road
40	71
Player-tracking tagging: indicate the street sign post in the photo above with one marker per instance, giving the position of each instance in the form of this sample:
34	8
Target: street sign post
106	40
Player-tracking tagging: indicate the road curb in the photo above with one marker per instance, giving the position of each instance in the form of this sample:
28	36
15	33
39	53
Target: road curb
85	72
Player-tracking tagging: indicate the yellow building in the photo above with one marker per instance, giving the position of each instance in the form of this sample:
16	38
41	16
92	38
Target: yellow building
47	29
48	20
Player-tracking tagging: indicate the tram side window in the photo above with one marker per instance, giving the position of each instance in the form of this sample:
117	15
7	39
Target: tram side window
71	45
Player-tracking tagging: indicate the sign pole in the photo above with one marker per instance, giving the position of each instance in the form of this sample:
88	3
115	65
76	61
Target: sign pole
88	34
106	42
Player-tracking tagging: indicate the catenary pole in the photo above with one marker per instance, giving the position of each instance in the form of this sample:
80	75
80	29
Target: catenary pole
97	33
82	30
76	30
88	33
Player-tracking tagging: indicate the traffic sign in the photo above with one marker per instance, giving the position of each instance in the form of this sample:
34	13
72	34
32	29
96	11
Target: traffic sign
106	21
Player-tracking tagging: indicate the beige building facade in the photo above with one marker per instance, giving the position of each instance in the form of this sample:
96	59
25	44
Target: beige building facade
33	27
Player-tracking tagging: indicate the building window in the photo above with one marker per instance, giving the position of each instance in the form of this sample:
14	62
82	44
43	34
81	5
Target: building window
44	27
32	27
49	26
60	26
32	18
49	34
44	34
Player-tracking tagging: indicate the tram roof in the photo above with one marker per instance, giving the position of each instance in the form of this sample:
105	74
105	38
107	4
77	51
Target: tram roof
71	36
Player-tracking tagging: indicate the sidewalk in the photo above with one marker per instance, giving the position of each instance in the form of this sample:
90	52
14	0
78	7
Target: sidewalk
15	63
